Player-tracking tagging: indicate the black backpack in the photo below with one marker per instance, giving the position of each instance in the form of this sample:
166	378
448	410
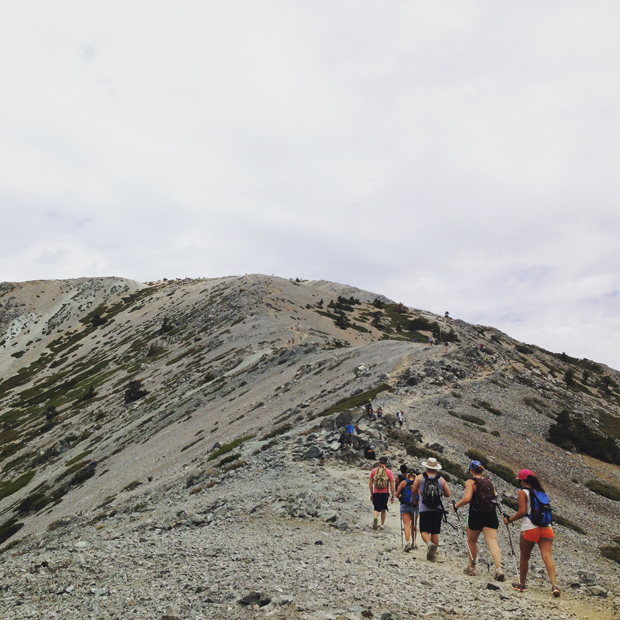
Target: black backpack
484	499
431	494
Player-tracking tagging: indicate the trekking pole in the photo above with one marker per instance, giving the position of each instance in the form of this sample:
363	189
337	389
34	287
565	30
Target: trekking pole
402	544
473	563
512	549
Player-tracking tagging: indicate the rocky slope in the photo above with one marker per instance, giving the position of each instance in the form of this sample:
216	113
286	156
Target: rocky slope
169	447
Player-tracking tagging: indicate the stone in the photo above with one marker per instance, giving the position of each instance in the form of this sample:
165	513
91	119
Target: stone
492	586
313	452
367	613
597	591
587	578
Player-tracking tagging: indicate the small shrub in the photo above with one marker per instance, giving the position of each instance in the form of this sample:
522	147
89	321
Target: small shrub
563	521
278	431
131	486
165	327
485	405
606	490
356	401
134	392
229	459
9	528
611	552
12	486
496	434
229	447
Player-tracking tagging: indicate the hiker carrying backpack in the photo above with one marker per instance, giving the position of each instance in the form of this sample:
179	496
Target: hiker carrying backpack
535	510
482	517
432	488
408	508
381	483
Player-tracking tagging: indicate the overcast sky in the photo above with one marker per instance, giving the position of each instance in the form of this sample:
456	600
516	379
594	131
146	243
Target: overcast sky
460	156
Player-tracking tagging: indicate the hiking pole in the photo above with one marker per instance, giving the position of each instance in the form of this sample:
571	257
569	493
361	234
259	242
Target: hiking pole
512	549
473	563
402	544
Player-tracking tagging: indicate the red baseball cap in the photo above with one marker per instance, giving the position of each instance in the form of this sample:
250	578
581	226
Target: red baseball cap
524	473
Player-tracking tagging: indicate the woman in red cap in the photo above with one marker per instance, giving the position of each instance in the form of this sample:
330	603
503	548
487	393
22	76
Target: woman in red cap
531	534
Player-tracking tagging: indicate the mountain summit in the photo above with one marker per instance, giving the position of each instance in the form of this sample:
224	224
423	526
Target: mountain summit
170	450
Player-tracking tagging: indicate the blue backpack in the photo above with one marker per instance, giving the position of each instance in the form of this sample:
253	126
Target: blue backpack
407	496
540	514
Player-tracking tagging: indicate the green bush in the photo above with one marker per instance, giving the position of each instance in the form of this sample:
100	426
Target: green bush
356	401
278	431
229	459
563	521
611	552
134	392
485	405
606	490
8	528
229	447
12	486
501	471
455	469
570	433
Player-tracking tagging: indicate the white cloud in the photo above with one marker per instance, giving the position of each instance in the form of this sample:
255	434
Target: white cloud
458	156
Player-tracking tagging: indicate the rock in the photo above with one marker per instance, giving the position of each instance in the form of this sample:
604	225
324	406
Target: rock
587	578
492	586
390	615
367	613
313	452
255	598
318	542
597	591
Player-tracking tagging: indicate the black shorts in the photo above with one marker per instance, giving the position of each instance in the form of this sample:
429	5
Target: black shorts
380	501
476	520
430	521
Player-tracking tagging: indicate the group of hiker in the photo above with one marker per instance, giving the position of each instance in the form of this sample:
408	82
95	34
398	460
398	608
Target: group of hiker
421	496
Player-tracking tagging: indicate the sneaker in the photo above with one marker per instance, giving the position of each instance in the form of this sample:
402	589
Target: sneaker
499	574
407	548
555	592
518	587
471	571
431	554
375	522
381	527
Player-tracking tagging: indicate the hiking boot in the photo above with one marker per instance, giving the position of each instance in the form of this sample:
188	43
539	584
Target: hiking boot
555	592
471	571
407	548
381	527
518	587
499	574
431	553
375	523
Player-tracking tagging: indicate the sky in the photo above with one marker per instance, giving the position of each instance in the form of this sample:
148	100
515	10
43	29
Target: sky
460	156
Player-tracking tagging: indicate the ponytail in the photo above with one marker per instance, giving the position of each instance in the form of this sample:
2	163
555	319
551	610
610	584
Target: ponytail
535	483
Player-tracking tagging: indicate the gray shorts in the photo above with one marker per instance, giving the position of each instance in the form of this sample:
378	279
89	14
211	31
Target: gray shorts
411	510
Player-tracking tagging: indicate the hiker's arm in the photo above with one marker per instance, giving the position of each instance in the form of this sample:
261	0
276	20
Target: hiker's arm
370	485
415	486
522	508
469	493
446	488
392	488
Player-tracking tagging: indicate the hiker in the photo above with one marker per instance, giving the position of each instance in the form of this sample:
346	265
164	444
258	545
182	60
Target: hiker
534	508
342	439
380	479
482	517
431	487
368	406
350	433
408	508
400	417
402	476
369	453
379	412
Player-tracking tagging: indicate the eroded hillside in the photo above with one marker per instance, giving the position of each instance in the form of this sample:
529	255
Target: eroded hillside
112	392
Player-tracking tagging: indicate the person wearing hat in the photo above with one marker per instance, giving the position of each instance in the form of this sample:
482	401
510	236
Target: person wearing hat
482	517
431	487
532	535
380	479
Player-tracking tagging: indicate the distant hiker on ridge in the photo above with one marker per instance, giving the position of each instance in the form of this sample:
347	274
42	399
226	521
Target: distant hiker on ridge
432	488
380	478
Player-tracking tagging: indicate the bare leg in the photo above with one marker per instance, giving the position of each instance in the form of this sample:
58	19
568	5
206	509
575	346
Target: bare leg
490	535
525	546
407	525
545	552
426	537
383	513
472	543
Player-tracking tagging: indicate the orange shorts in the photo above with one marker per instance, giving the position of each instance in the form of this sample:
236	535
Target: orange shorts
537	533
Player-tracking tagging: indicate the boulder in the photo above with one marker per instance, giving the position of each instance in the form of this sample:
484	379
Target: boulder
313	452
